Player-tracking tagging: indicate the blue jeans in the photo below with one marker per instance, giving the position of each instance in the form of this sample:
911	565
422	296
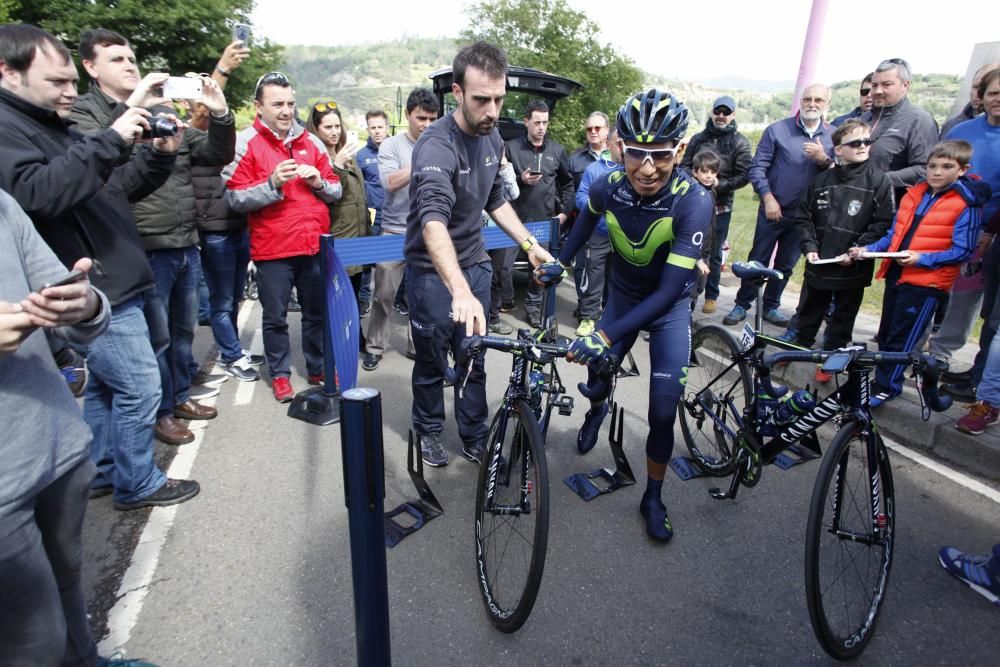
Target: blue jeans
224	257
765	236
434	335
275	278
715	260
43	615
989	387
123	394
172	315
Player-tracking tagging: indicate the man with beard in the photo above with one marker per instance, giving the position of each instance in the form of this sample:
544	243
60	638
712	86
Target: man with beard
455	176
790	154
733	148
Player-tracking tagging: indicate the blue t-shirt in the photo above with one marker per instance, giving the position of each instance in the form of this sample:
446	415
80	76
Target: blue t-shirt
985	140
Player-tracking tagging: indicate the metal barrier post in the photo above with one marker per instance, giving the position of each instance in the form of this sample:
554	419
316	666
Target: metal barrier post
364	488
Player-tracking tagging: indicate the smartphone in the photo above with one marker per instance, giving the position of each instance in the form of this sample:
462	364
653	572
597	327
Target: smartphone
534	172
68	279
352	136
182	88
242	33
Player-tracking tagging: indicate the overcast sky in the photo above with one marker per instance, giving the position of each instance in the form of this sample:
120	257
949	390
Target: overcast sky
758	39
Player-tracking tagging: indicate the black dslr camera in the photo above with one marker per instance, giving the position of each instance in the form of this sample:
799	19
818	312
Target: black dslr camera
159	128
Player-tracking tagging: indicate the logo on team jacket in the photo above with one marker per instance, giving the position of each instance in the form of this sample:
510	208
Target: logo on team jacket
853	207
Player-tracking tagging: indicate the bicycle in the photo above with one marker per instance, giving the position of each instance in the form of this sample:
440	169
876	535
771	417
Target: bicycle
728	418
512	494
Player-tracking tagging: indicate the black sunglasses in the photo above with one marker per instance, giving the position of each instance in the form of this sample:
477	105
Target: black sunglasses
858	143
865	92
722	111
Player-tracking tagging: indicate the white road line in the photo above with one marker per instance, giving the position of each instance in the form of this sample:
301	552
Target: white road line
135	584
956	477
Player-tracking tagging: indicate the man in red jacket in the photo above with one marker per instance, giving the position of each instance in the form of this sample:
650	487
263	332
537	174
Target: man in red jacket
282	179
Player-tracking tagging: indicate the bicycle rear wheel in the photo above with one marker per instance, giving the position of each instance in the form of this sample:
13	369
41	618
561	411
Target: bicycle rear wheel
715	378
849	540
512	516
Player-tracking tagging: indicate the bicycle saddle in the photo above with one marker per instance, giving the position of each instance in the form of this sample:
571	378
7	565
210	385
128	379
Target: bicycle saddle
755	270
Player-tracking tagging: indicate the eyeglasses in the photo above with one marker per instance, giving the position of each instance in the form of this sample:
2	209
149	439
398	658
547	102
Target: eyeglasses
658	156
813	100
858	143
278	78
325	106
865	92
595	128
722	111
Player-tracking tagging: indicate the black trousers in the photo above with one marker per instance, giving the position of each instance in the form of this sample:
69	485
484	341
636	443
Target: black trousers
812	308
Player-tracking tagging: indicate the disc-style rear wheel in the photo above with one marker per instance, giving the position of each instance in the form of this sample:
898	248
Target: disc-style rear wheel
849	540
717	384
512	516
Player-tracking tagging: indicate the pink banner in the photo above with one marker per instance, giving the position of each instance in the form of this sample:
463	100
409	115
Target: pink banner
810	51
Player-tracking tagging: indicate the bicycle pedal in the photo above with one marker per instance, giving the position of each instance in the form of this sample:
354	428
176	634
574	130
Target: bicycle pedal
719	494
565	405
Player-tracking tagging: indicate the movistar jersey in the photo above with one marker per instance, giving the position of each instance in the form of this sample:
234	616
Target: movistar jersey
649	235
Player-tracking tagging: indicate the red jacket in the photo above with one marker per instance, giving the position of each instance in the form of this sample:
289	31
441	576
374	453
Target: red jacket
286	222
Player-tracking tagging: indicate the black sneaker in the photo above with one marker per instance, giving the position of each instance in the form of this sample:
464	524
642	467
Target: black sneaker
507	307
209	379
242	370
293	305
200	393
965	393
474	452
371	361
366	308
173	492
534	319
402	309
432	451
500	328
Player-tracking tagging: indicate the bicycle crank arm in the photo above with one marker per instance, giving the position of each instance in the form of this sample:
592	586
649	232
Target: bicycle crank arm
734	486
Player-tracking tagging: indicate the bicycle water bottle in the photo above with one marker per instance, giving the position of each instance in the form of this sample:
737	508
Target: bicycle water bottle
793	407
767	403
536	380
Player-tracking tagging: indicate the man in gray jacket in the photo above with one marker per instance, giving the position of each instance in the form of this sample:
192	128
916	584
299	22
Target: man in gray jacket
46	471
166	219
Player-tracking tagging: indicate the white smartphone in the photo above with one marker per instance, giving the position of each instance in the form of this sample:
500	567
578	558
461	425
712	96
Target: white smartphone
182	88
352	136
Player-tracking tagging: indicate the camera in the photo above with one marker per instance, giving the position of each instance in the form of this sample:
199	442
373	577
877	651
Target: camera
159	128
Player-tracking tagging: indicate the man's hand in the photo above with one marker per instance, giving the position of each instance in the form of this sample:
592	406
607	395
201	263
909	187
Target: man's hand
549	273
529	178
233	56
213	97
538	255
772	209
702	267
812	257
589	348
910	259
149	92
65	304
814	151
283	172
131	124
310	175
171	144
465	308
15	326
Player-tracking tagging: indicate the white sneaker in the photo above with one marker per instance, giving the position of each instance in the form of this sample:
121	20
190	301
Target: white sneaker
242	369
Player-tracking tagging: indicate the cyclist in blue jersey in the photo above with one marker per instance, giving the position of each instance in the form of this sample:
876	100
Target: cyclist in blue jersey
657	217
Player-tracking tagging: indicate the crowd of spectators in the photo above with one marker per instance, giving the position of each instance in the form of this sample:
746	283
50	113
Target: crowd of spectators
146	202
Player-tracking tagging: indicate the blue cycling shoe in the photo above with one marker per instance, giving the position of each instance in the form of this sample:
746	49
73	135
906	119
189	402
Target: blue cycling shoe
657	522
587	437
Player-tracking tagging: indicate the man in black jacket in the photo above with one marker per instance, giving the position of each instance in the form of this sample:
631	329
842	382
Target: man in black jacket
76	190
546	185
733	148
166	219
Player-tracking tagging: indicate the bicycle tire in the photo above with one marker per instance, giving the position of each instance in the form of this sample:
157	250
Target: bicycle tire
712	350
512	548
845	594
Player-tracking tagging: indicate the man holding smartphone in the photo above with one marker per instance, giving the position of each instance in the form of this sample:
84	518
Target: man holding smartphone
167	219
76	189
546	187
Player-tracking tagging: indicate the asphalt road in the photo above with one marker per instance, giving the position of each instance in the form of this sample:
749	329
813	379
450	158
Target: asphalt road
256	570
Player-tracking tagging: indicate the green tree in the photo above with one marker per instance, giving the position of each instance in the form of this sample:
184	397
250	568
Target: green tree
549	35
168	35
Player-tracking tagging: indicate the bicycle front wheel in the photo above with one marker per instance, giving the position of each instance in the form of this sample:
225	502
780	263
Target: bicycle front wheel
849	540
512	516
718	382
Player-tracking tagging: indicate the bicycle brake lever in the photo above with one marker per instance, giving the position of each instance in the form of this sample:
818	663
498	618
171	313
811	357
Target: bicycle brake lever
465	377
918	379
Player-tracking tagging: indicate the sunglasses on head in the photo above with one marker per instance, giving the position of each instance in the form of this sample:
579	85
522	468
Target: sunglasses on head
270	78
721	111
858	143
655	156
324	106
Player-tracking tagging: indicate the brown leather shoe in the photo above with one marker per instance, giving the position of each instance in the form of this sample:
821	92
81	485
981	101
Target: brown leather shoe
172	432
194	410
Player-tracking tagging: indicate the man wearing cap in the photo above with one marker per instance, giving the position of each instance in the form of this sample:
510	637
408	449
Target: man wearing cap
720	134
